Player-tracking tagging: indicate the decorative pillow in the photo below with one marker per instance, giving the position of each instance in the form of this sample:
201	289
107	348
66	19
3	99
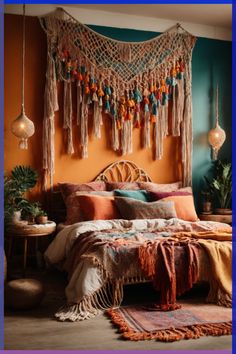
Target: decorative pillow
94	207
156	187
69	188
160	195
73	212
110	186
137	209
139	194
184	206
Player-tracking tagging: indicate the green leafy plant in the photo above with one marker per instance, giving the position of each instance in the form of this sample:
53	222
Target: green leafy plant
221	185
21	179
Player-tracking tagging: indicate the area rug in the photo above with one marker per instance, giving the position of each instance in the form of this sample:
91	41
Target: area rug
192	320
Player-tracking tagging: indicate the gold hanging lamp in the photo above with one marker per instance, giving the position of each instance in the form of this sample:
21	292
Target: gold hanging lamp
216	136
22	127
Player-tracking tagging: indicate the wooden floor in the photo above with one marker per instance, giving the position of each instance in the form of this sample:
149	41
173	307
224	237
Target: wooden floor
37	329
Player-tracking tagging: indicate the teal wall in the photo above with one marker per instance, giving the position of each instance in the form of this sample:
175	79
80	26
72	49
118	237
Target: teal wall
211	64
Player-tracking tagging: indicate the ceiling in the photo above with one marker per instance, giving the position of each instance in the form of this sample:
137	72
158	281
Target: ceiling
211	15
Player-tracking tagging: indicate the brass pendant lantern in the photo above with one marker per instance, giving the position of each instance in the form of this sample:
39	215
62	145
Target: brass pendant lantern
22	127
216	136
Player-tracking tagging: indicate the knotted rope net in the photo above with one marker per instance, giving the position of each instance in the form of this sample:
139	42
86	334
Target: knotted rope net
138	84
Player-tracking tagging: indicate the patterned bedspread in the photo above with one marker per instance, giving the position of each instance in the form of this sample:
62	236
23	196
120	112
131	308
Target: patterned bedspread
101	256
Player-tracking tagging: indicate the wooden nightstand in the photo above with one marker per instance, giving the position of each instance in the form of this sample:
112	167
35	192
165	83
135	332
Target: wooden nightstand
26	231
227	219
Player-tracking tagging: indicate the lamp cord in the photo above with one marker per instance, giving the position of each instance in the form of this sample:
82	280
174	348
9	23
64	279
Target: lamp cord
217	112
23	62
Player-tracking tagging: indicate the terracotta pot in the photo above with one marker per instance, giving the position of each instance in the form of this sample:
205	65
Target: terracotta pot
42	219
223	211
207	207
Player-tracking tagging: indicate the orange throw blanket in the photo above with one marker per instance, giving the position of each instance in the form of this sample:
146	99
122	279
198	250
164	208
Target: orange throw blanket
158	262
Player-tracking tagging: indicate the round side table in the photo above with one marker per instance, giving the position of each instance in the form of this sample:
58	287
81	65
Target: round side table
26	231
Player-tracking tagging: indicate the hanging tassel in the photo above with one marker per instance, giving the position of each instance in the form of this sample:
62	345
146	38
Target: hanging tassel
115	144
126	137
78	100
67	124
137	116
146	130
84	128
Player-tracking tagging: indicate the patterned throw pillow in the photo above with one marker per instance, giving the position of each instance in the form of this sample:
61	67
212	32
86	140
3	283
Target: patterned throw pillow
154	196
137	209
69	188
139	194
110	186
160	187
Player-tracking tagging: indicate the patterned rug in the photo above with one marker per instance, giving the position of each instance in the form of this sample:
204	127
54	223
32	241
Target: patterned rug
192	320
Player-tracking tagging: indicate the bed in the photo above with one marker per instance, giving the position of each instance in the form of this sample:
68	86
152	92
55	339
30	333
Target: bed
101	254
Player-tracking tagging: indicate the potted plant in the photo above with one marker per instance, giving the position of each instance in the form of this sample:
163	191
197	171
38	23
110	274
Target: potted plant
21	180
32	211
207	202
42	217
221	186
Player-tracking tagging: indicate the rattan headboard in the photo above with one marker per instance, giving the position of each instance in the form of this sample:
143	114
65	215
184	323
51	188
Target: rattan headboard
119	171
123	171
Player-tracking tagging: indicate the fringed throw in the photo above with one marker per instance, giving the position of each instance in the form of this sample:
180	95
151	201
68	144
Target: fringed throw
137	84
158	260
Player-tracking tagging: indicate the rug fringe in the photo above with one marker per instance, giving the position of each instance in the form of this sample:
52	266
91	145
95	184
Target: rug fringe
171	334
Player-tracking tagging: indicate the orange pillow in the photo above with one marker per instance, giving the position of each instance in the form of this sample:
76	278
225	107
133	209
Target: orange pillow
94	207
184	207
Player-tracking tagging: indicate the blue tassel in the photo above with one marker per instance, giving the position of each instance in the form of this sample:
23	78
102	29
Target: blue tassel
152	97
146	108
107	106
154	109
107	90
138	96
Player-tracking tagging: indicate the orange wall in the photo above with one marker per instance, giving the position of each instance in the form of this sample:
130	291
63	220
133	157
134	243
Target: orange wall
68	168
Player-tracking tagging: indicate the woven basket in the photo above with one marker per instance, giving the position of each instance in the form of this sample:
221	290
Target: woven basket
23	294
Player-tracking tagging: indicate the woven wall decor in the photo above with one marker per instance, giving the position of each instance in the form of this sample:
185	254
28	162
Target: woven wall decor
138	84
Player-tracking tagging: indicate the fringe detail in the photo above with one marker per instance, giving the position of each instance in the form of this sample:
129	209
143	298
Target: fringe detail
84	128
160	132
109	295
96	120
186	132
146	131
50	106
115	143
67	124
78	100
170	334
126	137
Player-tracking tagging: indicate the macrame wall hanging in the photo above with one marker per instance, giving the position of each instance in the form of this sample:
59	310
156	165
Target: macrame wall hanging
138	84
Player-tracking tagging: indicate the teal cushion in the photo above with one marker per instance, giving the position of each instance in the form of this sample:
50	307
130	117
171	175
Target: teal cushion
137	194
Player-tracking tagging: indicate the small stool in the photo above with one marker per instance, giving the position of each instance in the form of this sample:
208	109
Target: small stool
23	294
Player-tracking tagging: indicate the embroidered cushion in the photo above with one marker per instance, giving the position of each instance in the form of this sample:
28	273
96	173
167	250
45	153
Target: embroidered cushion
137	209
160	187
110	186
69	188
139	194
160	195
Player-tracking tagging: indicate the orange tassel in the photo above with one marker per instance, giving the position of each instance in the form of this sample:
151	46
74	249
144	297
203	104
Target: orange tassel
153	118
